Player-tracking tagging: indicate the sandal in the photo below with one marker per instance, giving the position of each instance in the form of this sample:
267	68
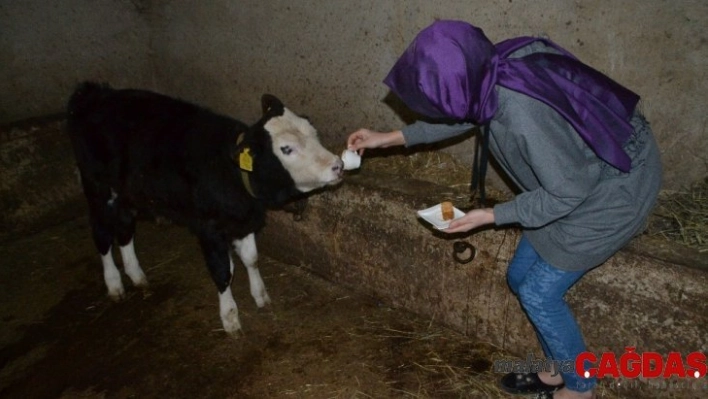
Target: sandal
526	383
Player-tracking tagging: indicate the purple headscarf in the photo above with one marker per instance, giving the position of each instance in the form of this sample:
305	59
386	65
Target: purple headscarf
451	68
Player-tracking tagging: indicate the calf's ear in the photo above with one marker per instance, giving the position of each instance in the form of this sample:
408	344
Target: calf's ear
271	105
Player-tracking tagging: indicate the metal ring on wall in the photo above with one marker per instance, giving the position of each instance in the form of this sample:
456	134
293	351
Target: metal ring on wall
459	248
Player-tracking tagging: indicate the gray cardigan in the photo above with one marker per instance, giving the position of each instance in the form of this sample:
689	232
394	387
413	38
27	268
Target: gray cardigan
575	209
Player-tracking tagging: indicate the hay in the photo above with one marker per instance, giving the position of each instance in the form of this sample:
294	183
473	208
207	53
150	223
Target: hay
682	216
444	364
436	167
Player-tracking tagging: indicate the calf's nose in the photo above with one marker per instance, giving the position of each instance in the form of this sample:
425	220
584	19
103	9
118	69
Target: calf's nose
338	167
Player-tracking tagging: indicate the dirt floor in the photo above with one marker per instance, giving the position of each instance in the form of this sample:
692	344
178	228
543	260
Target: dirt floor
61	337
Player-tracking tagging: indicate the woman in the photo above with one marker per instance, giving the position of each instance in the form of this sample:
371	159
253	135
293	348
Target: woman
583	157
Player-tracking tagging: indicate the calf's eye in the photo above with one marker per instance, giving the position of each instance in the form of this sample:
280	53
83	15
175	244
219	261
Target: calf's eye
286	149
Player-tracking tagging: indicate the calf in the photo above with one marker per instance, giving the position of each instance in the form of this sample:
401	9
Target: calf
142	152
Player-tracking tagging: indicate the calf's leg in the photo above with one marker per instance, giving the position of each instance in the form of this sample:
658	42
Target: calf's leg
246	250
111	276
101	213
103	236
125	232
216	254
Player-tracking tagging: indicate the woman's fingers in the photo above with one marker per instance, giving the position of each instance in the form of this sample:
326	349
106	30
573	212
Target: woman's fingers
357	140
471	220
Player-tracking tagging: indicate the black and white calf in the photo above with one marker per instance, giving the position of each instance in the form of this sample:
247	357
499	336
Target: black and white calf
142	152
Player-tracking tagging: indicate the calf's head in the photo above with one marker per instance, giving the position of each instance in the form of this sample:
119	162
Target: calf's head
287	156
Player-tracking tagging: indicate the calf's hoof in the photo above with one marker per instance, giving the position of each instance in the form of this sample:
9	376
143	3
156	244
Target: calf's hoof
262	299
231	323
139	281
116	294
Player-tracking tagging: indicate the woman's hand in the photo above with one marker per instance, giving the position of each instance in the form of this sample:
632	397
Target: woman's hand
472	219
365	138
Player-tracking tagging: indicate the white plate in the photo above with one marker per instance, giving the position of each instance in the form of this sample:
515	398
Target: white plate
433	215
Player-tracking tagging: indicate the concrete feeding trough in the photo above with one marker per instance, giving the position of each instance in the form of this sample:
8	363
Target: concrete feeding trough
365	235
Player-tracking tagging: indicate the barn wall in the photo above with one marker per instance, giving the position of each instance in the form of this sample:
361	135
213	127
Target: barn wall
327	58
46	47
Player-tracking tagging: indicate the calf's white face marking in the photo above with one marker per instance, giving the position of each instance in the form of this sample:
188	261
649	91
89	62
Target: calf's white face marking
296	145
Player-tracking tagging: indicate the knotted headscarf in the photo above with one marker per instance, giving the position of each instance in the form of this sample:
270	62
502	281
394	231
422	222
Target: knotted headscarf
451	68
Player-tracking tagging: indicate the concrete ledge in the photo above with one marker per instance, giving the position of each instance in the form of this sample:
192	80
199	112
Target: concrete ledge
39	183
365	235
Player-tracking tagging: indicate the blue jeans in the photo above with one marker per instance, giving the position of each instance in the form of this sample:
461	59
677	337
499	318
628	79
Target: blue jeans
540	288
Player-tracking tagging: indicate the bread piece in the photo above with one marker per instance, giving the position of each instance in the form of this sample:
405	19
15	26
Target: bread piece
447	210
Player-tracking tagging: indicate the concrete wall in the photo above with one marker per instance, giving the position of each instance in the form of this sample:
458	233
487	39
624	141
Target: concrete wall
327	58
46	47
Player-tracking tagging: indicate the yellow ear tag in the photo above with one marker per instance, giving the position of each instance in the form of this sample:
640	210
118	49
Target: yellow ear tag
245	161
